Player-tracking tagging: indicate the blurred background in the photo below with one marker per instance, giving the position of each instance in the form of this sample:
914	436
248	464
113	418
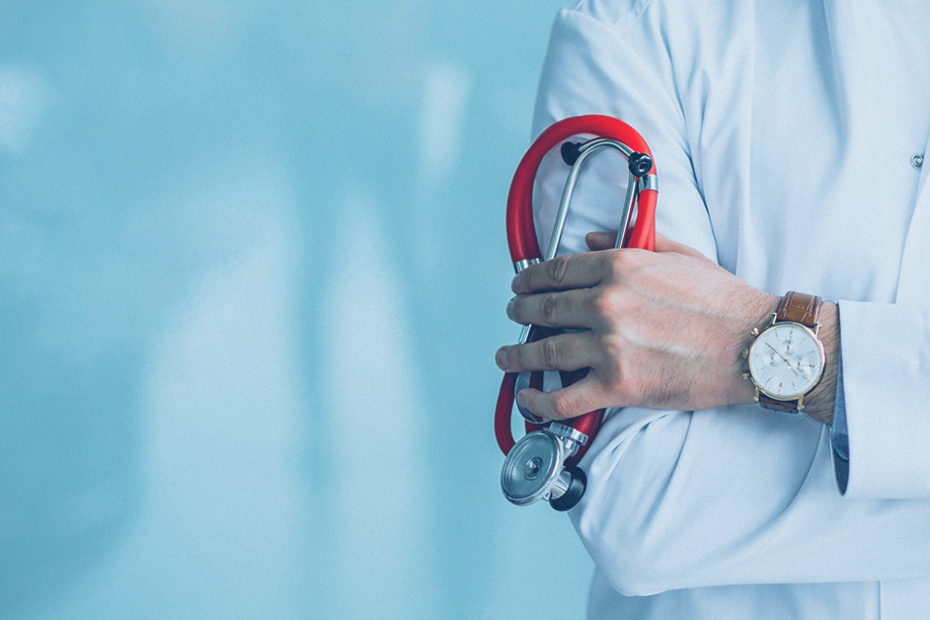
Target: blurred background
252	277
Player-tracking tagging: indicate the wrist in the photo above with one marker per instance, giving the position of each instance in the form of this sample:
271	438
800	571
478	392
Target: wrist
822	399
758	317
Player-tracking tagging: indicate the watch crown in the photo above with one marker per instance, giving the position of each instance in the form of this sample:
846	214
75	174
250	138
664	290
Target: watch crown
746	353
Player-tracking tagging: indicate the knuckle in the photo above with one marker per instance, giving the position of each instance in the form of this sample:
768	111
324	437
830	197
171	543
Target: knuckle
604	302
561	406
556	270
550	308
637	258
612	371
622	262
616	263
609	305
550	354
613	352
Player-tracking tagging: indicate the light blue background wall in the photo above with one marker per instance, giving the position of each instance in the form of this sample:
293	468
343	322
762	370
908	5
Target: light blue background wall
252	276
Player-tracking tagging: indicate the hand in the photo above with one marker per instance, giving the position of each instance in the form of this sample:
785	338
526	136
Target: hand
662	330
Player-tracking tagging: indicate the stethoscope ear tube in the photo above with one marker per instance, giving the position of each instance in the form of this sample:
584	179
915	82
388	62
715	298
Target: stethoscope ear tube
503	411
521	231
568	480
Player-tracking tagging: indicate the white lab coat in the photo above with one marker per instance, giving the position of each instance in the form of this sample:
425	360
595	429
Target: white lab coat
783	134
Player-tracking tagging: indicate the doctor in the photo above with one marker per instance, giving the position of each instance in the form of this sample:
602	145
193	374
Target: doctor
789	139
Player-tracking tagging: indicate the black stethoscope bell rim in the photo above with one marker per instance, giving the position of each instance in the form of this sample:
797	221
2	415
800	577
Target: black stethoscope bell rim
575	491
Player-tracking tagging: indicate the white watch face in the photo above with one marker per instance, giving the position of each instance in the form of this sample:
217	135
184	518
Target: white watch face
786	361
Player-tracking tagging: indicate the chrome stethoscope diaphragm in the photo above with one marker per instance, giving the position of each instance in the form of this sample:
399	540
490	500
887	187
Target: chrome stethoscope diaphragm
534	468
543	463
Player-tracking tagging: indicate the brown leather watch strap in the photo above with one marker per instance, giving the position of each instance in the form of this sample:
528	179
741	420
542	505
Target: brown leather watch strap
784	406
799	308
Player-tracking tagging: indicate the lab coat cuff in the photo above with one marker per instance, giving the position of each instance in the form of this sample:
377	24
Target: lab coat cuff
885	359
839	436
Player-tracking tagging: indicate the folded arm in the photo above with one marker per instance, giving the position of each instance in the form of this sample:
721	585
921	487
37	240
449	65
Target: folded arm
737	494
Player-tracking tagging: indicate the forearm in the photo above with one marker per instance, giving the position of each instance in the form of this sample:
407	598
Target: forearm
668	330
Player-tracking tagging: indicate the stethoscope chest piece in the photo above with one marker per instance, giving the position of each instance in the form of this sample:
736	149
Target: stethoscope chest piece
533	469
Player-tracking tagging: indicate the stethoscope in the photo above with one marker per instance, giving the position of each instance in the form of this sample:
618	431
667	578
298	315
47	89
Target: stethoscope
543	463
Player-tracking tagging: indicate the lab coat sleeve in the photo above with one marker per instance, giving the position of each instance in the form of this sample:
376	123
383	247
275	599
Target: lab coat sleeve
731	496
580	76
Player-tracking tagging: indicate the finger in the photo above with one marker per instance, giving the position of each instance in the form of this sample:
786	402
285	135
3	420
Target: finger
570	402
566	309
601	240
664	244
561	352
561	273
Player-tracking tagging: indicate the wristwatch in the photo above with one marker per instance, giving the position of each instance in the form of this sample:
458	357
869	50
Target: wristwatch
786	360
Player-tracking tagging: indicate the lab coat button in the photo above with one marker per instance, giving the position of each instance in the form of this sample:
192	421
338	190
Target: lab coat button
917	161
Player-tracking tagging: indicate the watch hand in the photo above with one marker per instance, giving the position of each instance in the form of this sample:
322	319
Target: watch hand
783	359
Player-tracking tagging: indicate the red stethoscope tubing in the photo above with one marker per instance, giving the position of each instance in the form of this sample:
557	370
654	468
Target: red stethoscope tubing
521	238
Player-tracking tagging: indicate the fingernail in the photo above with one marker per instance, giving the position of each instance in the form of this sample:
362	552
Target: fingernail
515	284
510	308
501	359
521	399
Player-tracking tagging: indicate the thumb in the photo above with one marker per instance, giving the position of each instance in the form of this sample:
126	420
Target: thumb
606	240
664	244
601	240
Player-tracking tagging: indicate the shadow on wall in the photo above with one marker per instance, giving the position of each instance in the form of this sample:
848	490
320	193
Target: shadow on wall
68	443
106	214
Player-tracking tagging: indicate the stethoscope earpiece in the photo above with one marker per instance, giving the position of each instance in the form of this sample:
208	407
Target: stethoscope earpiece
639	164
570	152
